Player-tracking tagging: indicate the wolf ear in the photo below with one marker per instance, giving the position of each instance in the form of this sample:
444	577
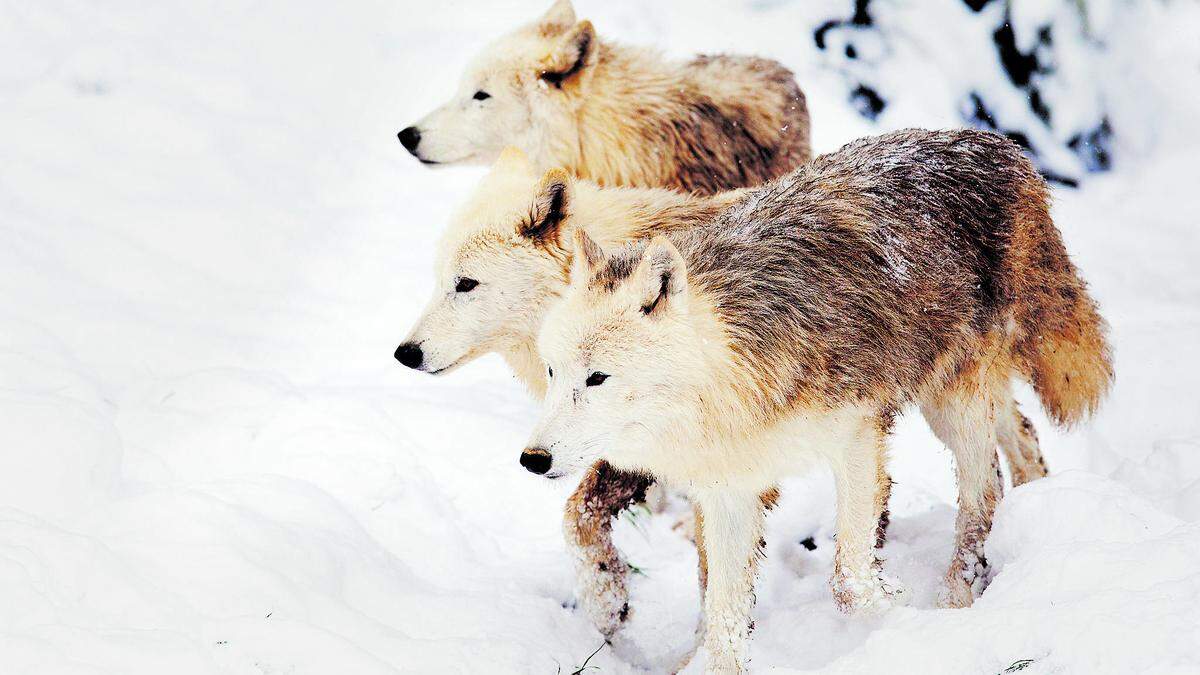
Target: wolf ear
558	18
587	255
512	160
661	277
550	207
572	56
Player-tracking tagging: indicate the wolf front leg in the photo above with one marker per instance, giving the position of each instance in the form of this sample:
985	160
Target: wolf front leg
600	573
733	543
863	487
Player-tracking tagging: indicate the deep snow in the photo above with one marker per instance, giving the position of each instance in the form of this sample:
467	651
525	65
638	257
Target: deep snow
210	243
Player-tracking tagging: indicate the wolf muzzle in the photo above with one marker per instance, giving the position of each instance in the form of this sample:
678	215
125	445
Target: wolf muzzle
410	355
410	137
536	460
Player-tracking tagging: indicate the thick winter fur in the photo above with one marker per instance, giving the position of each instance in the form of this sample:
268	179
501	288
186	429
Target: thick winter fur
916	267
621	116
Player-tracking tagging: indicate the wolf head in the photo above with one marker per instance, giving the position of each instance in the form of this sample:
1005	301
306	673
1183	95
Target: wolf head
498	264
523	90
622	356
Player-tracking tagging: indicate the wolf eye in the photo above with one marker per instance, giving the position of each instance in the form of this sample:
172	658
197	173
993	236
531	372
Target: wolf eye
481	95
465	285
550	370
595	379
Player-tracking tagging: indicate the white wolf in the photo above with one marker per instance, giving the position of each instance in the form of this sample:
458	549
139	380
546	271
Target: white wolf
914	267
619	115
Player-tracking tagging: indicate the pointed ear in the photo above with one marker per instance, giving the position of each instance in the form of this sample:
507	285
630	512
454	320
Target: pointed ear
570	59
587	255
661	277
550	208
512	160
558	18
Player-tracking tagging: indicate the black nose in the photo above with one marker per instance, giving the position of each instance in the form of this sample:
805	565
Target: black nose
409	138
409	354
536	460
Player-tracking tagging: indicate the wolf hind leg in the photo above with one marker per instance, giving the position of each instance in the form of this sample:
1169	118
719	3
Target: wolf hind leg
965	416
601	574
1019	441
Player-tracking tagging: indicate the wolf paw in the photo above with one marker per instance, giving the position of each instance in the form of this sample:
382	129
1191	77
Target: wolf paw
604	596
955	594
966	580
868	594
959	591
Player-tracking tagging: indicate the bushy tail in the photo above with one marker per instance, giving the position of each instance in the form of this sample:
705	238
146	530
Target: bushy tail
1071	366
1063	347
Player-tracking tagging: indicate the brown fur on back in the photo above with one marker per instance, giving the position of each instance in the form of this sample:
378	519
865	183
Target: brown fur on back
711	124
877	271
719	144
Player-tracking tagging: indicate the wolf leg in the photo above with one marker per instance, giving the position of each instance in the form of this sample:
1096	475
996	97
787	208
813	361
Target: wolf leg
965	417
1019	441
863	488
600	573
733	542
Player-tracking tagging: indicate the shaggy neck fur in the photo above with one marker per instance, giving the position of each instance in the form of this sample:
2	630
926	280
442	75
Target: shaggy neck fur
611	118
614	216
521	355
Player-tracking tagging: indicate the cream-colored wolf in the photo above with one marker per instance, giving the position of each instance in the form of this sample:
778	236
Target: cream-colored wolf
619	115
916	267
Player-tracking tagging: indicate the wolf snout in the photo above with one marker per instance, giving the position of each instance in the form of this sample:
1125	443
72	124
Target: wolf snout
410	355
410	137
536	460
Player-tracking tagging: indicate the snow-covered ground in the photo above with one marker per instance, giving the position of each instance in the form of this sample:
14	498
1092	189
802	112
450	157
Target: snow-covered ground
210	244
